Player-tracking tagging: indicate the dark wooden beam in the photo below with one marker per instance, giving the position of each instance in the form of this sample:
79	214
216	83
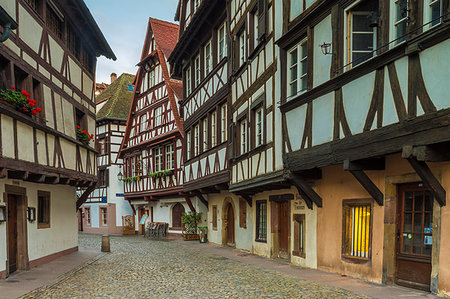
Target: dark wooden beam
370	187
306	191
221	186
189	202
85	196
365	164
429	179
428	153
3	173
281	197
202	199
247	198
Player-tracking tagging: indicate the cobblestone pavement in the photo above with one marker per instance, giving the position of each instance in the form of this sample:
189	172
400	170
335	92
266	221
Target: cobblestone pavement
142	268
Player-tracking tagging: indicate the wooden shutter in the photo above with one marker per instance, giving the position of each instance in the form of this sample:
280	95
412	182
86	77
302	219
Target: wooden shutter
262	12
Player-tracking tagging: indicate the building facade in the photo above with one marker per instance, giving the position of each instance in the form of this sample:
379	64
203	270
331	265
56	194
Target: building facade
363	103
45	155
152	149
105	207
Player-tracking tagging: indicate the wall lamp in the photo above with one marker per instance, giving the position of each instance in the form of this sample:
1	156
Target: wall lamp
31	214
325	48
120	175
8	24
2	214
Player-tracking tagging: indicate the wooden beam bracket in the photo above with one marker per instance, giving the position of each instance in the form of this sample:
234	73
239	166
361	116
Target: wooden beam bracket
202	199
85	196
306	191
247	198
189	202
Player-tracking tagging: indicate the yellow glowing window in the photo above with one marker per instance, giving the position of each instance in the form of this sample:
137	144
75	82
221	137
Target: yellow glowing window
356	230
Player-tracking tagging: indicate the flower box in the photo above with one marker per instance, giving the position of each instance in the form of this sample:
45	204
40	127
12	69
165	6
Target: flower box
20	100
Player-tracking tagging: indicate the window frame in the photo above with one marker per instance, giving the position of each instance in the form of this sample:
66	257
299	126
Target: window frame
242	46
196	140
88	215
214	217
259	108
208	58
222	50
254	23
158	161
103	216
397	21
429	14
298	48
46	223
243	134
197	71
242	213
258	223
143	122
299	235
188	82
158	116
348	204
223	122
170	156
188	145
213	128
205	130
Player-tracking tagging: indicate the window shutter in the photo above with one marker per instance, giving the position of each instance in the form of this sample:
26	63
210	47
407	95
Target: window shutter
232	141
262	12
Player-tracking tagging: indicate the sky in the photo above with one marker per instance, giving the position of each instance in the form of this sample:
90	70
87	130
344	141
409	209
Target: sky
124	23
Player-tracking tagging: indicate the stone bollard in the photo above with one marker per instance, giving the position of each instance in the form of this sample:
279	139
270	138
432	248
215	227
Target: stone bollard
105	243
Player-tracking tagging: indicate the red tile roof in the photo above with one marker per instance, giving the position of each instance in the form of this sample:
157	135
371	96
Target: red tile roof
166	35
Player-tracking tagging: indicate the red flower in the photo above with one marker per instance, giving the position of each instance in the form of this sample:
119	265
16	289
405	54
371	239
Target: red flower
24	109
13	87
38	109
84	131
25	93
31	104
78	127
33	112
34	102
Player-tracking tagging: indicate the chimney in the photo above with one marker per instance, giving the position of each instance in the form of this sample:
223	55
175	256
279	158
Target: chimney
113	77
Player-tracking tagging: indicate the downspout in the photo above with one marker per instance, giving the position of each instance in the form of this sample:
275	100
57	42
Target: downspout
8	24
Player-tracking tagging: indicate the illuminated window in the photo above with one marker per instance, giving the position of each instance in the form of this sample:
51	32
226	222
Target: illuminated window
357	227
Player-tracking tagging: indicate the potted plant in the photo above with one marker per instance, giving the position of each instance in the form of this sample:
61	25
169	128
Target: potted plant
189	221
84	136
20	100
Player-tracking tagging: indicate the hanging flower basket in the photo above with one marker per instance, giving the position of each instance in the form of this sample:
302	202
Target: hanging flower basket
20	100
84	136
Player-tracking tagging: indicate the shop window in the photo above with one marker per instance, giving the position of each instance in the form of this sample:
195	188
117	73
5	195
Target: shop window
356	229
242	213
43	209
261	221
104	216
299	235
214	217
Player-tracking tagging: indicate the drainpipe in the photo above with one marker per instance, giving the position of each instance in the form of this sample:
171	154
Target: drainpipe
8	24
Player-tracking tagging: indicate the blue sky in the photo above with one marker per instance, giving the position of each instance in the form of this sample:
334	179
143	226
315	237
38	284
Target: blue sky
124	23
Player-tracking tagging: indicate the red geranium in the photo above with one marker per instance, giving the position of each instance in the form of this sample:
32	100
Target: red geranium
33	112
38	109
78	127
25	93
84	131
24	109
13	87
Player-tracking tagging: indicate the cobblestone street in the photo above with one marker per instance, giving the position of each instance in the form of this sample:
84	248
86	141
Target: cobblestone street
142	268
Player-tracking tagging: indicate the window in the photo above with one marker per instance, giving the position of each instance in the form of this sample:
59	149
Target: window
213	129
21	79
43	209
299	235
241	47
196	4
254	28
196	140
188	145
188	81
158	159
143	125
133	166
197	71
87	60
103	177
214	217
170	157
35	5
435	13
87	212
208	59
259	126
223	123
38	96
243	135
357	227
151	78
401	18
205	134
242	213
222	42
144	162
298	68
362	35
158	116
104	216
102	146
55	21
138	164
73	43
261	221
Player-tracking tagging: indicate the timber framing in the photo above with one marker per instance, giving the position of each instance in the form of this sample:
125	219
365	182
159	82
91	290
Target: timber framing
299	180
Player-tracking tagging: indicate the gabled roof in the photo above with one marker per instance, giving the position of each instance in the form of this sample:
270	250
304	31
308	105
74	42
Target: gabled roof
118	97
166	35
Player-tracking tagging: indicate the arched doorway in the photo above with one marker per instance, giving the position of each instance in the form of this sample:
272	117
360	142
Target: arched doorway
230	225
177	213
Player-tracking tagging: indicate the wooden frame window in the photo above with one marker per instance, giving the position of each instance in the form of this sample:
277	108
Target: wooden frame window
55	20
299	235
138	164
196	140
143	123
297	69
5	73
188	145
158	158
356	229
87	213
38	96
222	42
401	15
170	157
43	213
435	12
214	217
197	71
187	75
259	126
223	123
35	5
208	58
103	177
242	213
213	129
158	116
205	130
242	44
80	119
73	43
103	216
254	31
188	12
261	221
21	79
361	32
151	78
144	162
243	136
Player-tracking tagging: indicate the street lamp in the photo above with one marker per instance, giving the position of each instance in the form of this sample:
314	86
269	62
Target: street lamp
120	175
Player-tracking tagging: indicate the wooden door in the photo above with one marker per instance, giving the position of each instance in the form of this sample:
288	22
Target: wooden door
414	236
12	233
177	214
230	225
283	228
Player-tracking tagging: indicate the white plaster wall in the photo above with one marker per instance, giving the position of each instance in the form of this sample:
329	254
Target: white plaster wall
63	231
162	210
322	123
295	121
31	36
322	63
123	207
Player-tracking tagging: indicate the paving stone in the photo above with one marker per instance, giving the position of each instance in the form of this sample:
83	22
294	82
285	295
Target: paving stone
142	268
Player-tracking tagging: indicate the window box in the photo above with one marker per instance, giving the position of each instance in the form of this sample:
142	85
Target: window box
20	100
162	173
83	136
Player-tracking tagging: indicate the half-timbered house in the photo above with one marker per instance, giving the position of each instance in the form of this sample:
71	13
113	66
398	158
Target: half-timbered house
365	115
50	59
152	148
105	207
201	60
